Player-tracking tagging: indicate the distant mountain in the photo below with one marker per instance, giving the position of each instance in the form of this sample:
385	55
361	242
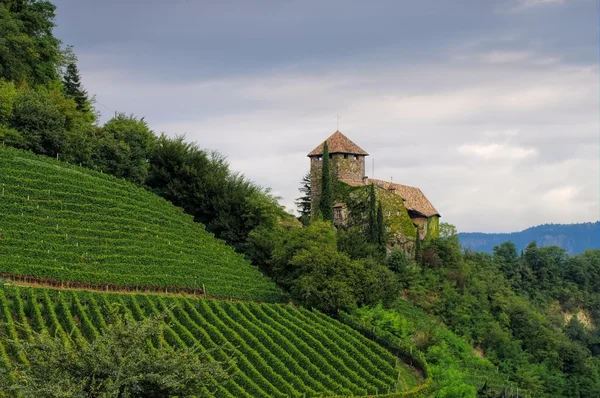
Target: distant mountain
575	238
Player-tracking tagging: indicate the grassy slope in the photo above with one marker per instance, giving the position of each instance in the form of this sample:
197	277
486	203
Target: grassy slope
281	351
71	224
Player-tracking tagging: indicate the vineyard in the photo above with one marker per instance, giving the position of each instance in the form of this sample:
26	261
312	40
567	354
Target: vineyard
280	351
63	223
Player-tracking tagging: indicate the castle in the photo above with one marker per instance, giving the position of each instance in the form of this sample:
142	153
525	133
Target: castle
406	209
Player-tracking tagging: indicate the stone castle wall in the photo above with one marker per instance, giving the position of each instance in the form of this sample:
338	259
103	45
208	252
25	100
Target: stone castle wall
349	168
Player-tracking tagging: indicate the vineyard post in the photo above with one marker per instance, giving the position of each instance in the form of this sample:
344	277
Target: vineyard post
204	290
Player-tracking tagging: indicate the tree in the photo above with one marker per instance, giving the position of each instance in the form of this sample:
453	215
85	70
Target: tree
418	248
380	226
123	148
372	231
121	362
39	121
74	89
29	52
448	230
303	203
326	199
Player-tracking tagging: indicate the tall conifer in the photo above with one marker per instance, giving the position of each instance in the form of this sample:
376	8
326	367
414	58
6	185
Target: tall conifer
380	226
74	88
418	250
326	200
303	203
372	216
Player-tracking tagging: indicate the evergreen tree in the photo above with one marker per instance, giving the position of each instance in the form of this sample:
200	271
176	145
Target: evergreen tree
303	203
372	217
326	200
380	226
74	88
418	249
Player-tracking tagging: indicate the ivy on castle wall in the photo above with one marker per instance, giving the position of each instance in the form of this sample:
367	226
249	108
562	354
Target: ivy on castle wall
395	214
433	227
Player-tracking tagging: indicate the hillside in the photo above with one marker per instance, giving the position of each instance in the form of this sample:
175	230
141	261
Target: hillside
574	238
65	223
280	351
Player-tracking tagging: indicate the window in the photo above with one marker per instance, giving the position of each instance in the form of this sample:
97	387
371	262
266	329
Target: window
355	157
337	213
345	156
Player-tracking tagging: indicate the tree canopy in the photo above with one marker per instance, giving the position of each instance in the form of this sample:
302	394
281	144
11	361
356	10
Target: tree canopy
121	362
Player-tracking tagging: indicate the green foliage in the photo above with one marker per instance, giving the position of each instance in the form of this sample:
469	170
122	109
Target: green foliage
273	350
303	203
433	228
381	241
307	262
326	194
202	184
123	148
71	224
8	94
448	362
73	87
372	230
418	247
29	53
512	308
353	242
118	363
39	121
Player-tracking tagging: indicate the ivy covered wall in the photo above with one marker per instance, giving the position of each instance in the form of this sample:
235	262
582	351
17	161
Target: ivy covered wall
433	227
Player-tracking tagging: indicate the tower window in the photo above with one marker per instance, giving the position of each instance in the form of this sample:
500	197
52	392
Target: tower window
337	213
345	156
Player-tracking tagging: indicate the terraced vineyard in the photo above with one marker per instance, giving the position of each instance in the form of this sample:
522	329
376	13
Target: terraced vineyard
66	223
280	351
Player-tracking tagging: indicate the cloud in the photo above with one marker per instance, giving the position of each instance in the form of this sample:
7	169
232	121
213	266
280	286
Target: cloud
537	3
497	151
504	57
494	117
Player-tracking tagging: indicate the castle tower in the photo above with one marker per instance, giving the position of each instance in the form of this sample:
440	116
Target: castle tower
347	162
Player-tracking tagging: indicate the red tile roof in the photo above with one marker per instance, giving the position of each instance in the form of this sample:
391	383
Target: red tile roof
339	143
414	199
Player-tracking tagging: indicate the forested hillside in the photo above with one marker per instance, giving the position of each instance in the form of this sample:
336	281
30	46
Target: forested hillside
574	238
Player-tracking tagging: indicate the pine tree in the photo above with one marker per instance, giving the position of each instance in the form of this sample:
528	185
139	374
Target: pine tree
372	217
380	226
418	251
74	88
303	203
326	200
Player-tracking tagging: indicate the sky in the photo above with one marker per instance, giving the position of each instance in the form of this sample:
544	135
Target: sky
490	107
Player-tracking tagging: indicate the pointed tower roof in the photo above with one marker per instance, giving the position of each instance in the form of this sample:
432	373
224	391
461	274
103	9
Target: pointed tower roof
339	143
